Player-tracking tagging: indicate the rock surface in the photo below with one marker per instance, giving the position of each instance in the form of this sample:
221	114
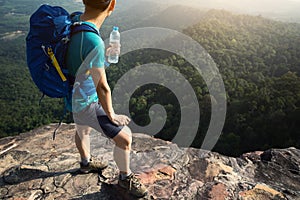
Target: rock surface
33	166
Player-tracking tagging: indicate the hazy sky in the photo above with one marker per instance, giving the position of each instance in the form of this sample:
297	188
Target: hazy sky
275	6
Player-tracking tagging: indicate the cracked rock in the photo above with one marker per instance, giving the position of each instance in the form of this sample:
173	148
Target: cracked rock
40	168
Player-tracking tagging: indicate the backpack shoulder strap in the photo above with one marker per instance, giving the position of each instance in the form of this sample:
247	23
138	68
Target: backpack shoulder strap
81	26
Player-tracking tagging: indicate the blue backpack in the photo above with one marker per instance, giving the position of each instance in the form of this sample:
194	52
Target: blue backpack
46	44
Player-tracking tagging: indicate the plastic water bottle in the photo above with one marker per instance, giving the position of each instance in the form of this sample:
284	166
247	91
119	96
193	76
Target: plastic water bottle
114	42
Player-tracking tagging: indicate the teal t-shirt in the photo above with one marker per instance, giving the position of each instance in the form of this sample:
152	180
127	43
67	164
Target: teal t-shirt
86	50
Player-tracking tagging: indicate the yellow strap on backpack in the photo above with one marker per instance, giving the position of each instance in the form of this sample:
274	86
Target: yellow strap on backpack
55	64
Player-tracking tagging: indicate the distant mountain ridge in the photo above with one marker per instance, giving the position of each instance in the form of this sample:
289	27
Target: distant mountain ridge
284	10
175	17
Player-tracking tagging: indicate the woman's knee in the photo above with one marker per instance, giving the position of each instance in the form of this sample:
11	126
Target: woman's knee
124	139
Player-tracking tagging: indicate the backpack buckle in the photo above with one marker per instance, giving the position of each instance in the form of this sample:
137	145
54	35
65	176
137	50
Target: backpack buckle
77	23
65	40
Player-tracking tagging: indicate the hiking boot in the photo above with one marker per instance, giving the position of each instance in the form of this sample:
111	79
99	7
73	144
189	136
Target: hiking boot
93	166
133	185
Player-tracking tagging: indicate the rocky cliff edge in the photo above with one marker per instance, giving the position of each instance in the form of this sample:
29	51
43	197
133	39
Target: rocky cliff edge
33	166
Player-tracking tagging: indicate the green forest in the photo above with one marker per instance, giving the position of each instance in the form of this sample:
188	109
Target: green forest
258	58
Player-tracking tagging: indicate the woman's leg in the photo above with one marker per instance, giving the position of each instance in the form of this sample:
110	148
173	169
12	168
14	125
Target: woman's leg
82	141
122	150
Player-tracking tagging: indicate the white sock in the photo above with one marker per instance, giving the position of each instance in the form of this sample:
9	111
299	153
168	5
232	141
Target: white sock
122	159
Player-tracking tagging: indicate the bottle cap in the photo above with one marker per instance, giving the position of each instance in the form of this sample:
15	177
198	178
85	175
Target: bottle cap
115	28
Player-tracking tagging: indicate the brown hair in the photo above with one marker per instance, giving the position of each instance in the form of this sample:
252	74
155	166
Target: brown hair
97	4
